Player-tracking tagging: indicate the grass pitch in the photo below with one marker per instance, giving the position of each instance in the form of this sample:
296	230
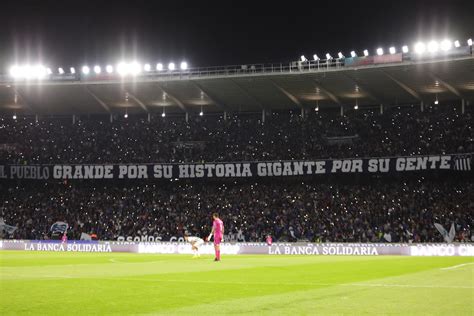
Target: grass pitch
42	283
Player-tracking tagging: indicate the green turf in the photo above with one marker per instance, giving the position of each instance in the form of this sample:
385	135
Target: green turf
43	283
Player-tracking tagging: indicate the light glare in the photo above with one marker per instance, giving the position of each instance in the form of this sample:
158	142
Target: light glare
171	66
380	51
85	70
29	72
135	68
446	45
14	71
97	69
420	48
109	69
353	54
433	46
392	50
405	49
366	52
184	65
122	69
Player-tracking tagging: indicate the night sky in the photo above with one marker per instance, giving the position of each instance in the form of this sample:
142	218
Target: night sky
72	33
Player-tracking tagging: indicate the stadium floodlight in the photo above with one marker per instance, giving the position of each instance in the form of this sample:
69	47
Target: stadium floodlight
446	45
24	71
420	48
40	71
405	49
49	71
171	66
469	42
85	70
125	115
159	67
433	46
163	114
15	71
72	70
303	59
147	67
457	43
366	52
60	70
201	113
134	68
109	69
14	116
356	107
97	69
353	54
340	55
380	51
328	56
31	72
183	65
392	50
316	57
122	68
316	108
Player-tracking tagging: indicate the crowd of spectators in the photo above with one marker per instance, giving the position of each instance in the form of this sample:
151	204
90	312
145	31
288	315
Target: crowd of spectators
241	137
289	211
402	210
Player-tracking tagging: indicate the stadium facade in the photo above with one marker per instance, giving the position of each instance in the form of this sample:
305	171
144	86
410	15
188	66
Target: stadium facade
341	84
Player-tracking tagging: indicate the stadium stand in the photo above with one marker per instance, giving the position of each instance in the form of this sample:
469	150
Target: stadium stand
242	137
368	209
378	211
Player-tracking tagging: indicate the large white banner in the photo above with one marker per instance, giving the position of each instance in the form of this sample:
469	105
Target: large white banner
381	165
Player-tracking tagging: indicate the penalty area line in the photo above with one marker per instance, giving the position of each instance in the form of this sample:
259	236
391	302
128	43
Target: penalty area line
457	266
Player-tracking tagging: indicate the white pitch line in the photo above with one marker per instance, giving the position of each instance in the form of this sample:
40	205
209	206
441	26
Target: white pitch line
133	262
410	286
310	283
457	266
58	276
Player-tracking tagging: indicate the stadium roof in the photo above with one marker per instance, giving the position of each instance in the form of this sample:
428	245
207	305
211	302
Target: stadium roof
239	88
